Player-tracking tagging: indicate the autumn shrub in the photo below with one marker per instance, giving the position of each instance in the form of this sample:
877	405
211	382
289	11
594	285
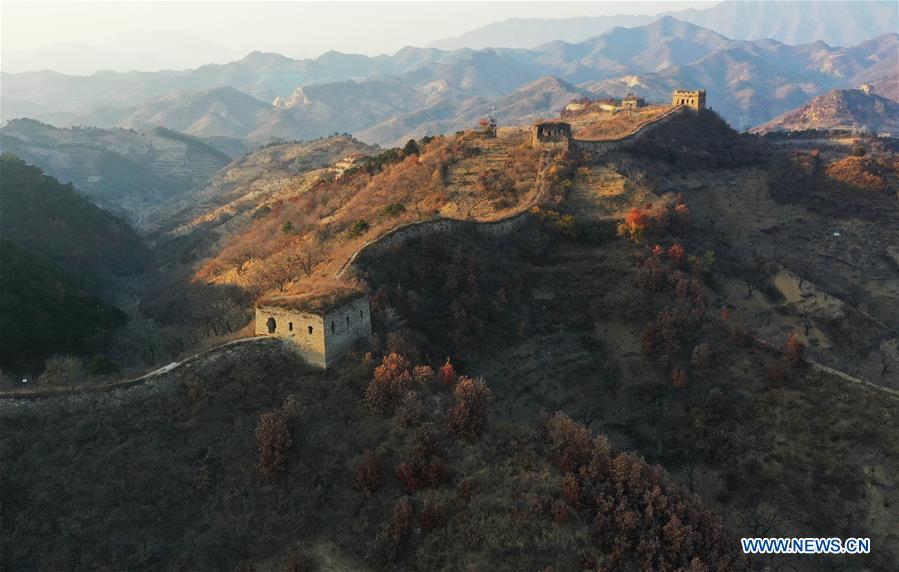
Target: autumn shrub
651	274
299	562
468	415
273	440
676	253
394	210
369	473
358	228
392	380
448	374
661	340
62	370
406	475
572	443
464	490
427	468
639	517
432	513
560	513
409	411
423	375
679	378
776	374
634	225
794	351
701	358
563	224
395	535
571	489
102	365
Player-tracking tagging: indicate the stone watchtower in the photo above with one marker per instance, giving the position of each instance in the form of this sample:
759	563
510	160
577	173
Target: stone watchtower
322	325
551	134
692	99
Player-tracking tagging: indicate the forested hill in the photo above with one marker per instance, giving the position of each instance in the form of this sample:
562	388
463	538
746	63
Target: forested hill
45	217
58	254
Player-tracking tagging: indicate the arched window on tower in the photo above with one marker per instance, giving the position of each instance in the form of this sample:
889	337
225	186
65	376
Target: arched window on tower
271	325
310	330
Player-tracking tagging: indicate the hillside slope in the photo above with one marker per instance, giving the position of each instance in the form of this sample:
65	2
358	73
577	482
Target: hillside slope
222	112
53	220
841	109
123	170
348	489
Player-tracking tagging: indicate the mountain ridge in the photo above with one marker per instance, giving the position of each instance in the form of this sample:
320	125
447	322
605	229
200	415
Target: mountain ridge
840	109
748	82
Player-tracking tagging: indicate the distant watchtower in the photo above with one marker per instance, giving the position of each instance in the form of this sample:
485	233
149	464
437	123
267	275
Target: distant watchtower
692	99
323	325
631	102
551	134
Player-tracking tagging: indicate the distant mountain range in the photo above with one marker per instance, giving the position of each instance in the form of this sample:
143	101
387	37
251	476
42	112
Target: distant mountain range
387	99
791	22
129	172
850	109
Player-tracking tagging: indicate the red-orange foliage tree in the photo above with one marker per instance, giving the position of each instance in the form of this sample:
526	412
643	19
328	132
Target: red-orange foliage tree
273	439
448	373
468	416
794	351
392	379
676	253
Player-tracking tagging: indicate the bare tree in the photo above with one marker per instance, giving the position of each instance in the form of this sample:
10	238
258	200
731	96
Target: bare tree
308	256
807	319
889	357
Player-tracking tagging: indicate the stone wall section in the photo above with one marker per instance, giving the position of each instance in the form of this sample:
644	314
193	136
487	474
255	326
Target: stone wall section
428	228
599	148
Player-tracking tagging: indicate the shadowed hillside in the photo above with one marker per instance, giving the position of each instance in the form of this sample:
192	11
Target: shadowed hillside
60	255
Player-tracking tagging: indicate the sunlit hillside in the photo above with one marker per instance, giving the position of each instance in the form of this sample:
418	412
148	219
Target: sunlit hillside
305	233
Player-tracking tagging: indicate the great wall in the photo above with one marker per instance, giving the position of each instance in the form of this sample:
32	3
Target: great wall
20	401
501	227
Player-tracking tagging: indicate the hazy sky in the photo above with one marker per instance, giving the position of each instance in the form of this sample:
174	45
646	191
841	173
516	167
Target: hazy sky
81	37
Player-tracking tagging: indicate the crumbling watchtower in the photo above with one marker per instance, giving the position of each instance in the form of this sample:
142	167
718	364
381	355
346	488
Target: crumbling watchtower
322	325
551	134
